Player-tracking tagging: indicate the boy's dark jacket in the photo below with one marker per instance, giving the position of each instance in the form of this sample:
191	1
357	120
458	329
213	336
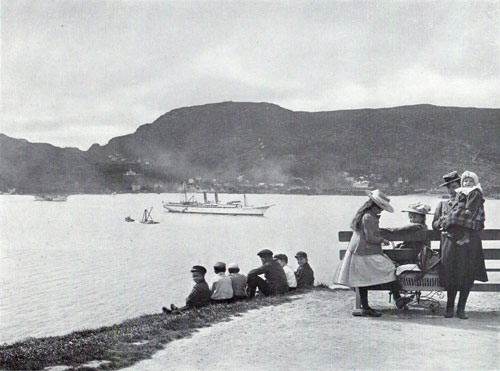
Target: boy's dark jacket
274	274
305	276
199	296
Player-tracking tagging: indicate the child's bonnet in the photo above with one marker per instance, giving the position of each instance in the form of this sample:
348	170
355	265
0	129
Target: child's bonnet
467	190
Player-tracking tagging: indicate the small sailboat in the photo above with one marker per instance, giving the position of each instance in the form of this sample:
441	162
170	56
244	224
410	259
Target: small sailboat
146	217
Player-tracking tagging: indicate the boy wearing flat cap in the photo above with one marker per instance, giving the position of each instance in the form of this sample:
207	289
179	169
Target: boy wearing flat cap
221	285
304	273
239	282
199	296
275	279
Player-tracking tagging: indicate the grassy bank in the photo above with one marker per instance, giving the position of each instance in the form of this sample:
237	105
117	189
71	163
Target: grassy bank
123	344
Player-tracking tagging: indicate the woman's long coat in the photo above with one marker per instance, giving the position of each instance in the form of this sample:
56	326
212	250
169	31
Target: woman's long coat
460	265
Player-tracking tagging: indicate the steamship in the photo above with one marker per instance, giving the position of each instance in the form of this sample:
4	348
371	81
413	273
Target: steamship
190	206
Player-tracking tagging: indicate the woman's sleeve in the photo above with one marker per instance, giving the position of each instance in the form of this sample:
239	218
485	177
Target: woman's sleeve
436	224
411	227
371	230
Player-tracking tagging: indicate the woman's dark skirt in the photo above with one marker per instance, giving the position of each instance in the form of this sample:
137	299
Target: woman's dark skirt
462	265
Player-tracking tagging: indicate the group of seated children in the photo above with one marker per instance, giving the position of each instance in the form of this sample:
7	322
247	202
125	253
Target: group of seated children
279	278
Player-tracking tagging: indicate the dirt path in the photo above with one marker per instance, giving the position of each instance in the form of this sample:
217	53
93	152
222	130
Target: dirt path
317	332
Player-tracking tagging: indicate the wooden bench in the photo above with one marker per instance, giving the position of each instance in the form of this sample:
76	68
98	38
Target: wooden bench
399	255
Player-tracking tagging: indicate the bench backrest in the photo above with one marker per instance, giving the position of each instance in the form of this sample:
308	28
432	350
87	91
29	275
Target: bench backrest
429	235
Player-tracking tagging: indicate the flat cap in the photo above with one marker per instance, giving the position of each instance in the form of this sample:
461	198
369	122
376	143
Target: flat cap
233	266
301	254
199	268
220	265
265	252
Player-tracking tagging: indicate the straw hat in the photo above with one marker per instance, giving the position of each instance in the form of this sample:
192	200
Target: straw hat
418	208
381	199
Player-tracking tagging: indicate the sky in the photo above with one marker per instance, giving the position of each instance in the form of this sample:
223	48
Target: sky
74	73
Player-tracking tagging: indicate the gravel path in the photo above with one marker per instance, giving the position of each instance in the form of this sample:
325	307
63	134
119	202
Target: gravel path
317	332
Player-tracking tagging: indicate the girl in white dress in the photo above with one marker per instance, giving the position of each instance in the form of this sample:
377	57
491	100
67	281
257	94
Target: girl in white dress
364	264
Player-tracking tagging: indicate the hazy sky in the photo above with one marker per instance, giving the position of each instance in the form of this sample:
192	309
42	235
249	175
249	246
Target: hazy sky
78	72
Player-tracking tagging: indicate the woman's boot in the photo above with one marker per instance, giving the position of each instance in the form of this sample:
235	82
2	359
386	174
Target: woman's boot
450	304
462	300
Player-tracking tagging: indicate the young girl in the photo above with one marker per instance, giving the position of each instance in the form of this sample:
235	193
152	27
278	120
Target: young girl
365	264
416	214
468	203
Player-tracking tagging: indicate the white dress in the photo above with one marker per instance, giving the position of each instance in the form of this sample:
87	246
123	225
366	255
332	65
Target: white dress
364	263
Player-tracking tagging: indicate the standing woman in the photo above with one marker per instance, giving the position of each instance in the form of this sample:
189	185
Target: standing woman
461	264
364	264
451	182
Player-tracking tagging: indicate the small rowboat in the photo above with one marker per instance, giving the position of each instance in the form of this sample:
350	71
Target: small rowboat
57	198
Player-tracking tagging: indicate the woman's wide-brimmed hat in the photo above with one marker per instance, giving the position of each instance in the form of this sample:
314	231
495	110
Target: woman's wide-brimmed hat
450	178
418	208
381	199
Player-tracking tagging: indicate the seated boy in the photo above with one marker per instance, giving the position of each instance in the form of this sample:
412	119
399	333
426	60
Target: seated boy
282	259
199	296
275	278
239	282
221	285
304	273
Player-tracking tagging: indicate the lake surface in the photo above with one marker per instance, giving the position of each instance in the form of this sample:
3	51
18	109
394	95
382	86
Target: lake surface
78	264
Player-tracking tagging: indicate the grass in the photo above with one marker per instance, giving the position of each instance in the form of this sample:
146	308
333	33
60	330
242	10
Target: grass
126	343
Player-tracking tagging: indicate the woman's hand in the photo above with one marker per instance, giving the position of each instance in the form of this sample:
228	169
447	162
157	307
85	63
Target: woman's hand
444	224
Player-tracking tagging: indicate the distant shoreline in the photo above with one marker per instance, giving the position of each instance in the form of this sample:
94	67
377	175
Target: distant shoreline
437	195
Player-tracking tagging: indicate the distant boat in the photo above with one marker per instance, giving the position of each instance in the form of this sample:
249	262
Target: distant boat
208	207
146	217
58	198
9	192
129	219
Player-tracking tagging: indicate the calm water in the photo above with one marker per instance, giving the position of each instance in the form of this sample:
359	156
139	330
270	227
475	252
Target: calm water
78	264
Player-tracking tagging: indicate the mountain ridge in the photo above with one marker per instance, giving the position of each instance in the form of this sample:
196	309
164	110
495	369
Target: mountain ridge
266	142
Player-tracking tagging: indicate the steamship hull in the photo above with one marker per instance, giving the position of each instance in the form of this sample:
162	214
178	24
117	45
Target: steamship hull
216	209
